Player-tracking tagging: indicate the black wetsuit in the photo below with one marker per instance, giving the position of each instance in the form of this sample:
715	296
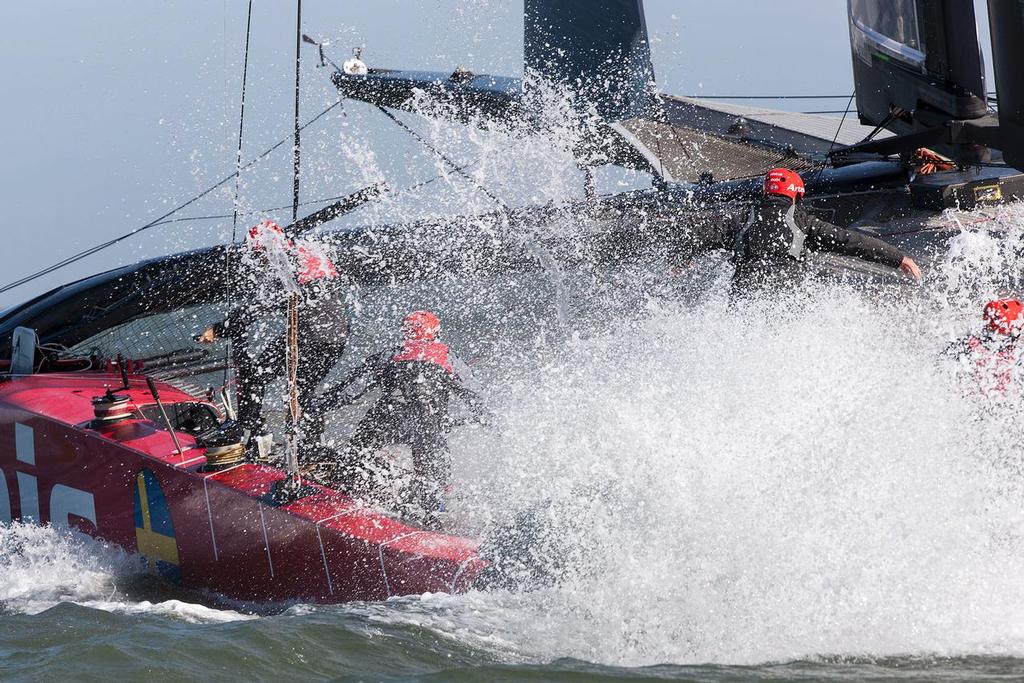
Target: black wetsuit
417	385
259	351
771	239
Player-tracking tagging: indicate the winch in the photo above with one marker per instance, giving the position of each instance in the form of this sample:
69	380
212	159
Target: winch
110	409
223	445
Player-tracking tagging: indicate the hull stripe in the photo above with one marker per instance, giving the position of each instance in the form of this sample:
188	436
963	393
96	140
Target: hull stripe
323	554
266	541
209	514
383	571
380	555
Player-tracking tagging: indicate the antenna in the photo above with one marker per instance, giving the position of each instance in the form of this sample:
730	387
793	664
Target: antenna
320	47
124	372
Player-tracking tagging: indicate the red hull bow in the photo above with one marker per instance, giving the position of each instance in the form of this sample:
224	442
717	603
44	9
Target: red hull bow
128	484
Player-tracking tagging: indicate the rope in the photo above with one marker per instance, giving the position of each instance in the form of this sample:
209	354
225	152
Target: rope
158	221
293	359
885	121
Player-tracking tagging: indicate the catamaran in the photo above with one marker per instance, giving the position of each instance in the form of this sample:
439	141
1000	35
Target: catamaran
104	424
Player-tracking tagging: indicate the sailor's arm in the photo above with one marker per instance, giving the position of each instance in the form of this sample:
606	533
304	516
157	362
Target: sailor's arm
458	385
957	349
824	236
245	309
368	371
701	232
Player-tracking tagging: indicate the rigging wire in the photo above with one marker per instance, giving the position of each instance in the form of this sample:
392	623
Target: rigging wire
455	167
241	123
228	270
835	137
458	169
839	128
311	202
296	145
157	221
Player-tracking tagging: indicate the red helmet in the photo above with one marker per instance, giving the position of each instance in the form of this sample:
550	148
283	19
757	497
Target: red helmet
1004	315
785	183
421	326
262	233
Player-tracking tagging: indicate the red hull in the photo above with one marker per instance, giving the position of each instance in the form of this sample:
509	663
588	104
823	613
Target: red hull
129	486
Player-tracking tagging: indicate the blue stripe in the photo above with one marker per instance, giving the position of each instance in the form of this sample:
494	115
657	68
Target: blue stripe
159	512
137	506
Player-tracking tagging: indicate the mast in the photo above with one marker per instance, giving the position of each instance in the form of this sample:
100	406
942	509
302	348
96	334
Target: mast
597	49
292	352
917	68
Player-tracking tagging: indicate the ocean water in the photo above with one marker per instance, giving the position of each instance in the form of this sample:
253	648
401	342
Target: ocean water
805	488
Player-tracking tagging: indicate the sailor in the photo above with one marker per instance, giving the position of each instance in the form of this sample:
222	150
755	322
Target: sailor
993	354
418	380
271	265
770	240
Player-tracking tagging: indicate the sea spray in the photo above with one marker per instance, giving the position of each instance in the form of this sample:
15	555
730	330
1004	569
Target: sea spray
790	477
43	567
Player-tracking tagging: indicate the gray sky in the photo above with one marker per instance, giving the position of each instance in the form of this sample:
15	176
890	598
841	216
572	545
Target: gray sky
117	110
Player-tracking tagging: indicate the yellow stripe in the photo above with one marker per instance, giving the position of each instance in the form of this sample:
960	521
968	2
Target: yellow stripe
157	546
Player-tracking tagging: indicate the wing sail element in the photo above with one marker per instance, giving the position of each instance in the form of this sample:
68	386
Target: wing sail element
596	49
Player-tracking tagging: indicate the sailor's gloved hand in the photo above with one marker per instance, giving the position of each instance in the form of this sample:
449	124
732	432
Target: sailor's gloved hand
208	336
928	162
909	268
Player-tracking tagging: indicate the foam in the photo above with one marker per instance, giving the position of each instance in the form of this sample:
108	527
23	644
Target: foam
43	567
777	480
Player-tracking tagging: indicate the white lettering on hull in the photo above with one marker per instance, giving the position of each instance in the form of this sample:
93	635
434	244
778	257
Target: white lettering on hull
28	494
24	444
64	500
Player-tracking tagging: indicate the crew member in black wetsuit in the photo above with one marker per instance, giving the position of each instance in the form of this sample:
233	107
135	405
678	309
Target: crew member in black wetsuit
417	382
770	240
323	327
